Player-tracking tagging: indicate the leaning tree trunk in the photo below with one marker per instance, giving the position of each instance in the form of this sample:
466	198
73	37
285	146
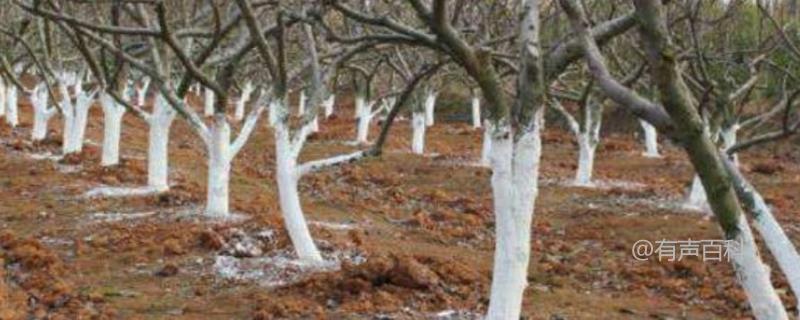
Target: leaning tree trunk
775	238
289	196
751	272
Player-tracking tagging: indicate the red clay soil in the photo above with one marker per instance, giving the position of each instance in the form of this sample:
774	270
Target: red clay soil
423	223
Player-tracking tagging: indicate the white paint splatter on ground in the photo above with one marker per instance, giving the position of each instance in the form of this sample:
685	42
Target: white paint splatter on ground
280	268
45	156
334	225
242	258
116	216
120	192
596	184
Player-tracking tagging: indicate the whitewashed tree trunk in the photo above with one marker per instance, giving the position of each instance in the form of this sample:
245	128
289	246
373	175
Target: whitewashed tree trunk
158	150
287	176
328	105
12	114
301	104
587	146
430	105
486	149
364	119
219	167
476	112
515	177
83	103
112	129
418	132
650	140
754	276
360	104
697	195
41	112
315	125
273	114
729	138
208	102
775	238
247	91
3	93
141	92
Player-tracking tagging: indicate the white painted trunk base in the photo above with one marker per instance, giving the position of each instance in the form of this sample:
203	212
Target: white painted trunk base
650	140
364	119
697	195
239	112
418	124
41	112
287	176
486	149
360	103
112	129
219	168
158	150
754	276
430	105
301	105
208	102
328	105
141	92
586	153
514	188
3	93
729	139
12	113
476	112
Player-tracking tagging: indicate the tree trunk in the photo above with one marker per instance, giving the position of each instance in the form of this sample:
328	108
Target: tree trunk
112	126
12	116
3	91
328	105
486	149
208	102
586	150
515	178
247	92
418	132
476	112
364	119
219	168
301	104
430	105
41	113
650	140
289	196
360	103
158	150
